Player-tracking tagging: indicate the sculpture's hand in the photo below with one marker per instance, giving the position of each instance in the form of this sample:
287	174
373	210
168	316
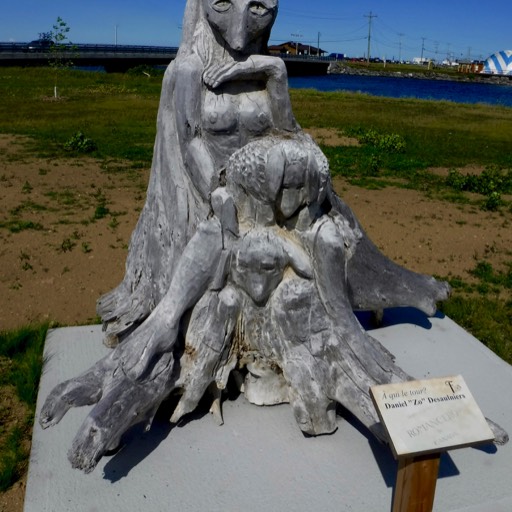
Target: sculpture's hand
140	349
256	67
215	76
270	70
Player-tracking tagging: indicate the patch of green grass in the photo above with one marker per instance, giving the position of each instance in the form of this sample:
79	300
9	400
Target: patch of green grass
65	197
118	113
436	133
113	110
479	308
487	274
24	349
488	319
101	210
27	206
492	182
21	360
12	457
16	226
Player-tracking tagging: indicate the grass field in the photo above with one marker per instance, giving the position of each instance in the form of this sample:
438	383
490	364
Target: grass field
113	116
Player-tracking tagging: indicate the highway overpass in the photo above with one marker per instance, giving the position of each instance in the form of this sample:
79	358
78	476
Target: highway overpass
120	58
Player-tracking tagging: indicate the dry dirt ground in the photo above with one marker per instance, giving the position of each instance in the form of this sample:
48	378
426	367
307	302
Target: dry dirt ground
72	219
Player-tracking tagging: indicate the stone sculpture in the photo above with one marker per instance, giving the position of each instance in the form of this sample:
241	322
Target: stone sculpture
243	261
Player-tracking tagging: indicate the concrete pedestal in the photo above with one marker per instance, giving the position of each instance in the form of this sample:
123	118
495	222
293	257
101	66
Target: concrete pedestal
259	461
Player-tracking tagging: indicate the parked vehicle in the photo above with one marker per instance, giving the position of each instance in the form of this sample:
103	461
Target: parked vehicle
39	45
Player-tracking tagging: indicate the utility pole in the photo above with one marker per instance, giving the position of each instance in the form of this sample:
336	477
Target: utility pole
298	35
115	34
422	48
400	47
318	47
370	17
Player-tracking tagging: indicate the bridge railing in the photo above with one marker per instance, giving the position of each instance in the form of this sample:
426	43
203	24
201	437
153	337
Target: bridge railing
142	49
91	48
288	56
124	48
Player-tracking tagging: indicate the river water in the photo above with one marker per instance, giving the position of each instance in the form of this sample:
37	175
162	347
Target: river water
396	87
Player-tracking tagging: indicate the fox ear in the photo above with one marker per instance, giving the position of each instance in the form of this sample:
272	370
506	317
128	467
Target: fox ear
298	259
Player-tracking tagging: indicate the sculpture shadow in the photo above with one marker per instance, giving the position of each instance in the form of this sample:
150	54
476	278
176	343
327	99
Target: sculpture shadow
383	455
137	444
489	448
396	316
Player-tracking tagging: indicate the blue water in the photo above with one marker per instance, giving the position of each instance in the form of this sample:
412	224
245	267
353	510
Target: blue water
395	87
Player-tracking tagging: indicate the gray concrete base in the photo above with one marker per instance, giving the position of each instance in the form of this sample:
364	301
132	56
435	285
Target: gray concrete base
259	460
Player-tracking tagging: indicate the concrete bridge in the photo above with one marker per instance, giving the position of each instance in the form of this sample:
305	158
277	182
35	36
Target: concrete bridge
120	58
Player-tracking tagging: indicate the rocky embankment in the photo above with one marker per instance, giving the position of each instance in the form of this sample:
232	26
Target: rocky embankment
340	68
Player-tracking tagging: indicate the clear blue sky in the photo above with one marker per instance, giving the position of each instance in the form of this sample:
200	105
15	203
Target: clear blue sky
461	28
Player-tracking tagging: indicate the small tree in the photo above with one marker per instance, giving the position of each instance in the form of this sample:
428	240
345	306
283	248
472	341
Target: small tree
61	48
45	36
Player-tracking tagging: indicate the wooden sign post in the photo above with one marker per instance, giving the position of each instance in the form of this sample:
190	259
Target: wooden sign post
416	483
424	418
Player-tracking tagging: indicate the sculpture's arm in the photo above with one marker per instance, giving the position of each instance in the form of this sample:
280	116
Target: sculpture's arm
272	70
187	107
200	167
196	269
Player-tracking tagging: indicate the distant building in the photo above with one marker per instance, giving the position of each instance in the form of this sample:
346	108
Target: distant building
295	48
470	66
499	63
448	62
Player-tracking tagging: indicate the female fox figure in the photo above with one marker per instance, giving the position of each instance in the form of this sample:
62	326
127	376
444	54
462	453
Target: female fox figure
219	93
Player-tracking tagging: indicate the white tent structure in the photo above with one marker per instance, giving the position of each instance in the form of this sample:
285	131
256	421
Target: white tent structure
499	63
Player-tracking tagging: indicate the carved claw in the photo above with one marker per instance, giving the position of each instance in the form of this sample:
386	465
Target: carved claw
500	436
126	404
84	390
216	407
88	446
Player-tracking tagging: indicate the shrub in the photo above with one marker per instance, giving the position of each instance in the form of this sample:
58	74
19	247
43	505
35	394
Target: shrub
493	202
386	142
80	143
492	182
